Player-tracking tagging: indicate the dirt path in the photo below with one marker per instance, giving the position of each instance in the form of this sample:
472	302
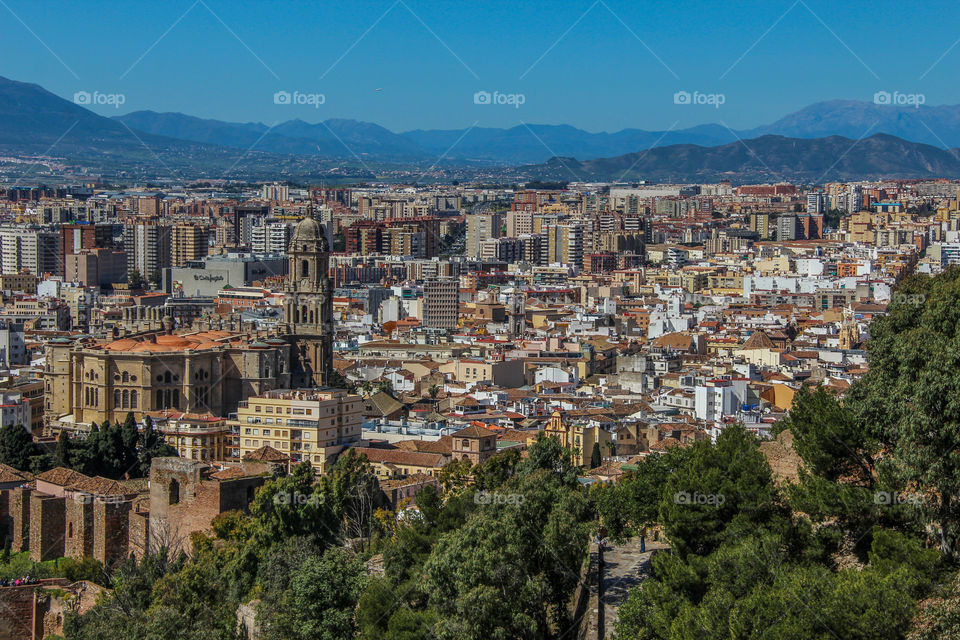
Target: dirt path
625	566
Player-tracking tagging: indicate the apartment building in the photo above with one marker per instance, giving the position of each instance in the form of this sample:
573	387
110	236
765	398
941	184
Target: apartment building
441	303
148	246
480	227
188	242
309	425
27	249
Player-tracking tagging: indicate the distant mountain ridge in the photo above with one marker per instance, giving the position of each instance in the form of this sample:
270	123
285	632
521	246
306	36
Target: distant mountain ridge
768	158
524	144
34	121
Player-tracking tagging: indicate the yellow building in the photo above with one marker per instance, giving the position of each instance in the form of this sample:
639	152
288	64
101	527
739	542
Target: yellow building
195	436
579	438
309	425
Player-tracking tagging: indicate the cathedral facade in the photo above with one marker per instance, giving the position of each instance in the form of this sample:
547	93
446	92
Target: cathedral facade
308	306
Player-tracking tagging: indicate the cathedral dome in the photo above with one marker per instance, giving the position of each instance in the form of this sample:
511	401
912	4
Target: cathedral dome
307	230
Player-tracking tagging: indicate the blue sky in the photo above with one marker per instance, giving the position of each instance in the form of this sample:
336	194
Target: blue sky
601	66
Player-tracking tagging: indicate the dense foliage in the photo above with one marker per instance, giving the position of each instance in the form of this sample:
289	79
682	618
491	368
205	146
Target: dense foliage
863	545
499	558
112	450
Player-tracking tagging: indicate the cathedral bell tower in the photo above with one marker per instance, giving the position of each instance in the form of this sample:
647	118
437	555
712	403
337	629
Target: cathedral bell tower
308	305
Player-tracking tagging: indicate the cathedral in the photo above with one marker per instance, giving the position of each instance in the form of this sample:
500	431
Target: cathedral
308	306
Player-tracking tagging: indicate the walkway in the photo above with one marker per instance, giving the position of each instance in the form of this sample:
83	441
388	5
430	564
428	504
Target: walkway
624	568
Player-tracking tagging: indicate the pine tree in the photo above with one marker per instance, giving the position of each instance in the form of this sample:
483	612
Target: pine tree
61	457
596	459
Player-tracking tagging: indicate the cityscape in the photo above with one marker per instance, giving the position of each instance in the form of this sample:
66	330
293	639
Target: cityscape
549	355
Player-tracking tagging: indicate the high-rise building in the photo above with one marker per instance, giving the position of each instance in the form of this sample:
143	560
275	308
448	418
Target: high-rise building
275	191
75	237
148	205
147	244
188	242
519	222
441	303
270	236
29	249
565	244
817	202
480	227
96	267
787	227
760	222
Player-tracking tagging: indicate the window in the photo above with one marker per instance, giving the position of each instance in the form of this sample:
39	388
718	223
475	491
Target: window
266	432
465	444
173	492
133	399
256	432
268	421
269	409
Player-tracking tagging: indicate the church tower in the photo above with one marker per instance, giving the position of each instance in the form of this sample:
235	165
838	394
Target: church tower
308	305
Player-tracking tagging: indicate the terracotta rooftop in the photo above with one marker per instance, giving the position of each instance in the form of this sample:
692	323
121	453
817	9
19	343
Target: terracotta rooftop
9	474
397	456
266	453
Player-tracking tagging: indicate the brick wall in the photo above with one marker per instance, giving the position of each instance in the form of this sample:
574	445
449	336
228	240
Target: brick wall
111	530
20	512
138	536
47	527
6	520
79	528
193	502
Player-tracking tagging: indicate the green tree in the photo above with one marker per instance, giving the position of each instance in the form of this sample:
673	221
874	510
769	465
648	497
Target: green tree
354	493
319	603
294	506
596	458
61	456
723	489
16	446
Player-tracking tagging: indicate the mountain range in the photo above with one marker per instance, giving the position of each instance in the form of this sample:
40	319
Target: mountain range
839	139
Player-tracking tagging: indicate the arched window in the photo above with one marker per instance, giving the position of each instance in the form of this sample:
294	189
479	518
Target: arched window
303	313
304	268
133	399
116	398
166	378
126	377
126	398
159	403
